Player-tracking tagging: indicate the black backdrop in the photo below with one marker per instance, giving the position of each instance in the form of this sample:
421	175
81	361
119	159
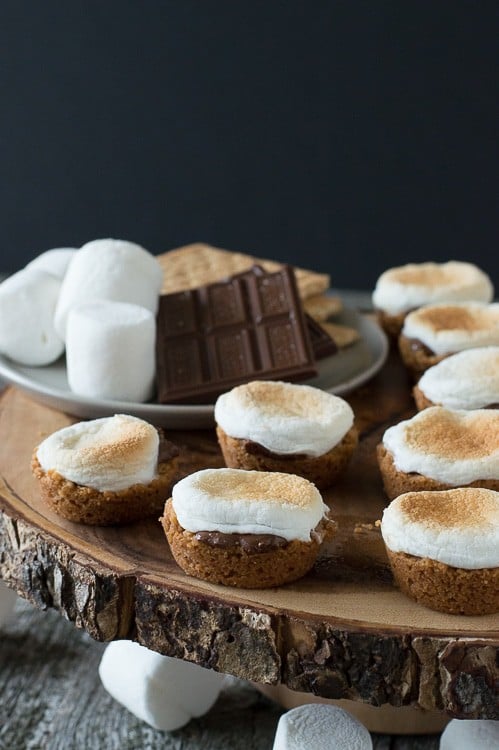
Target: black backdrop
346	136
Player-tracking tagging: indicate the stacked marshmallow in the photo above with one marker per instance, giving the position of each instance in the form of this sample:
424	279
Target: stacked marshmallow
234	501
284	418
99	303
404	288
466	380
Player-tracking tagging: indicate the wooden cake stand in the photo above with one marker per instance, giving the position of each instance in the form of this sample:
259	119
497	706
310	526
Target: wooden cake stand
342	632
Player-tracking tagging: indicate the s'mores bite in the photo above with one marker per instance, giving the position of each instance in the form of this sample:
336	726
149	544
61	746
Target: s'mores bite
296	429
443	548
106	471
466	380
246	528
404	288
434	332
438	449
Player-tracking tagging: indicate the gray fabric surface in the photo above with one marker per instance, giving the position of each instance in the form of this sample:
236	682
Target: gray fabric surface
51	698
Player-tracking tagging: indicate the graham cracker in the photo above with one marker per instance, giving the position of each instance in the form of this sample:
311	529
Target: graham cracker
342	336
321	307
199	264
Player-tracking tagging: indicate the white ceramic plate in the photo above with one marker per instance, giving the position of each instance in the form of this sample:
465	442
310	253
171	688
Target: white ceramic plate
339	374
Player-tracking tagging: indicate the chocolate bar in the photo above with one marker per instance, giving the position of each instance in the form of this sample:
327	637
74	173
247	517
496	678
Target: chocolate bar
212	338
322	343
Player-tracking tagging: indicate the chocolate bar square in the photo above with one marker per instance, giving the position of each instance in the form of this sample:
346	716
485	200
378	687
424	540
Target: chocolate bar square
212	338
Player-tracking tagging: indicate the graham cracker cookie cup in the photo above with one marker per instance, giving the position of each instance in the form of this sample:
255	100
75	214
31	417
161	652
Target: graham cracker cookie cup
417	358
236	566
456	591
391	323
398	482
422	402
323	470
90	506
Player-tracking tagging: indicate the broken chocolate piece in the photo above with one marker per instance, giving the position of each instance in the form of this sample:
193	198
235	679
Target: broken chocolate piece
214	337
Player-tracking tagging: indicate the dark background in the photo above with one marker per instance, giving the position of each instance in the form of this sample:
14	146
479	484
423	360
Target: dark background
343	136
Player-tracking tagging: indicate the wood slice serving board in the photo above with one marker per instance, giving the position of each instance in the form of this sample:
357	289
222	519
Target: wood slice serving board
343	631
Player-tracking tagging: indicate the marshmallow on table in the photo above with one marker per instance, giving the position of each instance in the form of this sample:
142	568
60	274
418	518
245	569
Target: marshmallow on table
27	303
111	270
164	692
110	351
7	602
54	261
462	734
321	727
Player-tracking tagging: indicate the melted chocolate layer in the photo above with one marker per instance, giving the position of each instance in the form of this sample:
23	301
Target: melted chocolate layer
252	543
258	450
418	346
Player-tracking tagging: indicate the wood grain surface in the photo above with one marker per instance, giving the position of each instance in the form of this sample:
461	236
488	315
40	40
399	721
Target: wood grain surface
343	631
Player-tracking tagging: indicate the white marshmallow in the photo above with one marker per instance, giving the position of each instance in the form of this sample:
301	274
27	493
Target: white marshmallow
415	284
446	329
54	261
110	270
458	527
112	453
164	692
319	726
284	418
448	446
8	598
110	351
464	734
248	502
27	303
466	380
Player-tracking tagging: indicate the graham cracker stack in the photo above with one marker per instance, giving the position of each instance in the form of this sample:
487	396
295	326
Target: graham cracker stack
199	264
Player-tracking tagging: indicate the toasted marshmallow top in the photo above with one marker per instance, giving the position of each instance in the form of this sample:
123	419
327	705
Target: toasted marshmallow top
458	527
455	447
111	454
452	328
466	380
284	418
234	501
406	287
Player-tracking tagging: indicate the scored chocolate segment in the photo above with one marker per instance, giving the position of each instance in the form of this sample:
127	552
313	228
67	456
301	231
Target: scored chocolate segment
214	337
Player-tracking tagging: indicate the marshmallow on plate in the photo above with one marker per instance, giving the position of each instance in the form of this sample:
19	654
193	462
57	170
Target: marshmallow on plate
109	270
110	351
466	380
164	692
8	599
464	734
54	261
404	288
27	303
320	726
